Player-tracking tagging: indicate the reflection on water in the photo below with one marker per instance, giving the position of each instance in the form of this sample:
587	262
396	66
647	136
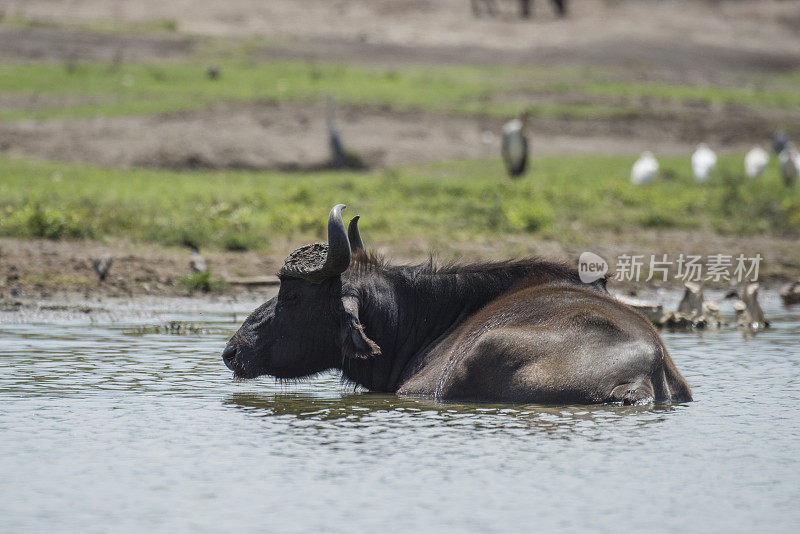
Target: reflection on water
101	430
560	421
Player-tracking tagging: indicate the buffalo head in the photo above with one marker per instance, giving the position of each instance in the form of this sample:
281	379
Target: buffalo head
312	324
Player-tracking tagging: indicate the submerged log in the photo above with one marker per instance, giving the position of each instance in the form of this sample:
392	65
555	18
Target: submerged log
693	312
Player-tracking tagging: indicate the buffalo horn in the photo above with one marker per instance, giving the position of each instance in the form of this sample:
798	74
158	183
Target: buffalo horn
354	236
338	246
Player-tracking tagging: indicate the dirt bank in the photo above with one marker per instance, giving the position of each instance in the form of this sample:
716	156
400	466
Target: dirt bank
65	45
748	26
292	137
59	270
45	269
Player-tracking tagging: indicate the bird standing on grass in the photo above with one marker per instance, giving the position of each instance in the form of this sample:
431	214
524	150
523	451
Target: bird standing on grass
703	162
645	169
102	266
779	141
514	146
789	159
755	161
198	263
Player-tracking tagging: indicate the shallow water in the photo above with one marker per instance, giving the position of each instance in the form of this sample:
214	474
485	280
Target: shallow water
120	425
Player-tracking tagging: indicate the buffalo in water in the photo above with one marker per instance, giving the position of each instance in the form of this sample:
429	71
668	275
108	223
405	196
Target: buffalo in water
523	331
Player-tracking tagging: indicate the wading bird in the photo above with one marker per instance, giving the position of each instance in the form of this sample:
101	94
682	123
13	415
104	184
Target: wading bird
755	162
514	147
102	266
645	169
703	162
338	156
789	159
198	263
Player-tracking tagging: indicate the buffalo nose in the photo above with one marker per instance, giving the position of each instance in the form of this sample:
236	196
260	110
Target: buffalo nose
228	355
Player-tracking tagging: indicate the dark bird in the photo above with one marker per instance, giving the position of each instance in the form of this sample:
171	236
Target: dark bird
341	158
198	263
213	72
779	141
789	159
102	266
515	146
338	155
790	293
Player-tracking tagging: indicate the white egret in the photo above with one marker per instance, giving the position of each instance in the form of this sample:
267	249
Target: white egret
645	169
703	162
755	161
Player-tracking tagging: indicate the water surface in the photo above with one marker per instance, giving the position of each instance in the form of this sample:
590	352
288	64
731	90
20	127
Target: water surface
113	424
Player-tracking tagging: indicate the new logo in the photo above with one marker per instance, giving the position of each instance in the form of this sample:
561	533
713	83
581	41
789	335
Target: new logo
591	267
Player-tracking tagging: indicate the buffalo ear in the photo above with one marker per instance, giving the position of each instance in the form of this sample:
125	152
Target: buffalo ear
355	343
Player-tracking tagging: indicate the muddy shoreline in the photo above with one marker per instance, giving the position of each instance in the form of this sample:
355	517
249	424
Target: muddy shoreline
60	272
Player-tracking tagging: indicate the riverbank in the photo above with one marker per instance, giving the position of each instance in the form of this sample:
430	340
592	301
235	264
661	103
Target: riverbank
60	272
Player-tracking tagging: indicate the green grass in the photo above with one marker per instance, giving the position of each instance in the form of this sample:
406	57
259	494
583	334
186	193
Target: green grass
137	89
147	89
150	26
562	198
203	281
752	97
502	91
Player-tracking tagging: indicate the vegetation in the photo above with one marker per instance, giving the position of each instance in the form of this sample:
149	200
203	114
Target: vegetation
203	281
113	89
439	204
442	202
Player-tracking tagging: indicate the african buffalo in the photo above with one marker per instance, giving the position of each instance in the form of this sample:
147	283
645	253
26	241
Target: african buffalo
515	331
